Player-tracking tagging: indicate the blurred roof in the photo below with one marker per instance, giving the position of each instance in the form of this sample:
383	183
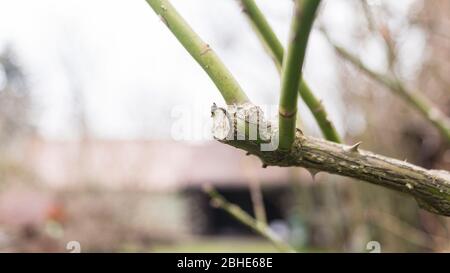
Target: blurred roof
149	165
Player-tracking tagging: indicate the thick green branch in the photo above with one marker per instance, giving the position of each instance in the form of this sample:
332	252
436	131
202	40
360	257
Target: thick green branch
431	188
264	31
235	211
320	114
200	51
291	74
274	46
415	99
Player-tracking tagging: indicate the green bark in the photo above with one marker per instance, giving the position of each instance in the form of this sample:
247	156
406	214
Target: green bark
200	51
291	74
275	48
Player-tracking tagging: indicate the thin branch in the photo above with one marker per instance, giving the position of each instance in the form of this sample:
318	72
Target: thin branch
236	212
200	51
384	32
431	188
408	232
264	31
256	193
258	201
291	73
369	16
275	48
320	114
415	99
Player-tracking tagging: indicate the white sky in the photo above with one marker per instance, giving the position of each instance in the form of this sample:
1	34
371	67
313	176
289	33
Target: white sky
132	72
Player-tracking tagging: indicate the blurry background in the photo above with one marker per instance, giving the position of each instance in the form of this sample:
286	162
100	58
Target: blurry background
104	127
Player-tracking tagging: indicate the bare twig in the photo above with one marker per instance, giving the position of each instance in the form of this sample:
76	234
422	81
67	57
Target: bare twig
255	191
408	232
383	30
235	211
258	201
415	99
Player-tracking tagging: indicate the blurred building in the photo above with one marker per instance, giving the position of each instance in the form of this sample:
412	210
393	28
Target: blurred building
152	188
144	165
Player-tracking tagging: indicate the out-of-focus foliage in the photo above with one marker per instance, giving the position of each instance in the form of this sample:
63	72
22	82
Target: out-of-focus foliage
14	98
394	129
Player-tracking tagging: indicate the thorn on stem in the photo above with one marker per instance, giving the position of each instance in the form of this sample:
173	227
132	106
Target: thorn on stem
354	148
205	50
313	173
164	20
